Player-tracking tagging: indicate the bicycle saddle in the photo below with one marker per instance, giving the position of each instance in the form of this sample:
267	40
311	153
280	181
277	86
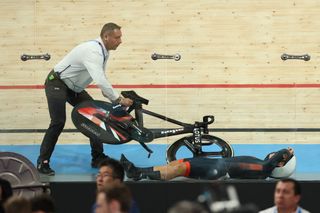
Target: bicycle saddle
134	96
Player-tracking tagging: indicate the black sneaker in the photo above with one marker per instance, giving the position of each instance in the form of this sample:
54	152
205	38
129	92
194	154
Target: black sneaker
96	161
44	168
131	171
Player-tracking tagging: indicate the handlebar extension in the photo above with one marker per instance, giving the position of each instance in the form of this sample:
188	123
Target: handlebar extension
208	119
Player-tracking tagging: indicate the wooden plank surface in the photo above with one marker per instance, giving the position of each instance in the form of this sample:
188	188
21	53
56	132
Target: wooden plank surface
221	42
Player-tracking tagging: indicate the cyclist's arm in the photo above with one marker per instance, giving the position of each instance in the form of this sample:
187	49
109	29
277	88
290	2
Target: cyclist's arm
277	157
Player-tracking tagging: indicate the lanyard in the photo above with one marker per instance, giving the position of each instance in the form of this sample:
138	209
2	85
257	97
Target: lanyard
104	55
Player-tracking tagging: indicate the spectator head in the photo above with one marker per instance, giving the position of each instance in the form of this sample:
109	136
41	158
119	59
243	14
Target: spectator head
110	171
287	194
17	204
114	198
42	204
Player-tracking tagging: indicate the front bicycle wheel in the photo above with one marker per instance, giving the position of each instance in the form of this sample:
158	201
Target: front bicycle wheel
211	146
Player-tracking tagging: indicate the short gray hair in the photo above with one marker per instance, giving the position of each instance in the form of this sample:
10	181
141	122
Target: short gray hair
108	27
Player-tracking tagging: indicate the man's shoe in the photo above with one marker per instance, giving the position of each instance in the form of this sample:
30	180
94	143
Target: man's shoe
96	161
44	168
131	171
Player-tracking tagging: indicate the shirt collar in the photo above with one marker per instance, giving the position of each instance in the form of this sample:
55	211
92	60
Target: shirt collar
298	210
101	42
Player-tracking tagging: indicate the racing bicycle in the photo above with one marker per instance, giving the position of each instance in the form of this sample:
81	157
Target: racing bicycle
114	124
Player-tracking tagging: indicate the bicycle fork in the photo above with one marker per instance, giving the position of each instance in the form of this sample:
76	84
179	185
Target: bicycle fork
197	141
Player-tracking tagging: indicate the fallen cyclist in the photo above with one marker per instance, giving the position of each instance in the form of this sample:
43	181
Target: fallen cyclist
278	164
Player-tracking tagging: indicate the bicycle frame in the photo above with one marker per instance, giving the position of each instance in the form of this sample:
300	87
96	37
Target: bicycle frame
122	131
160	133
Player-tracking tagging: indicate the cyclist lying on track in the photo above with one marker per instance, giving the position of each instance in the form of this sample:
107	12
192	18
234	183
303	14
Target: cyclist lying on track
278	164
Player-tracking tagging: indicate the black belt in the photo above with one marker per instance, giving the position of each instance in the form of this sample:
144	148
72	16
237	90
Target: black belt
55	76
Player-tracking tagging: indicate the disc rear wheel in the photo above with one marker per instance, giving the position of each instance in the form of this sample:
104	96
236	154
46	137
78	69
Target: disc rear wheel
211	146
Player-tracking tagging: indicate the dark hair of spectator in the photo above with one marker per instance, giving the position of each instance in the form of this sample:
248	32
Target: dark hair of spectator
118	171
43	202
296	185
119	192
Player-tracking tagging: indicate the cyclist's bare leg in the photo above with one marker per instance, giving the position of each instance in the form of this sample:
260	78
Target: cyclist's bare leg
171	170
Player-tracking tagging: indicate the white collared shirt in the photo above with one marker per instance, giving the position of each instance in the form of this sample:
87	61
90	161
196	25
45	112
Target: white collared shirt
86	63
274	210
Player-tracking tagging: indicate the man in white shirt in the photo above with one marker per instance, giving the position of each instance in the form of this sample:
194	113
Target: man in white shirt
67	82
287	195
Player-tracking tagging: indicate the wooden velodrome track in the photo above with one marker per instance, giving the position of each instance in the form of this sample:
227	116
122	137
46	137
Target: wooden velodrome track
230	68
230	64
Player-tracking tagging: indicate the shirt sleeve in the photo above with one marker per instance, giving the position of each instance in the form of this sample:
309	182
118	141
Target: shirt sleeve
93	61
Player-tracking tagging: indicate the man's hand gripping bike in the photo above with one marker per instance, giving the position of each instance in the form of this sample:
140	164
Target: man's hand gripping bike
112	124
